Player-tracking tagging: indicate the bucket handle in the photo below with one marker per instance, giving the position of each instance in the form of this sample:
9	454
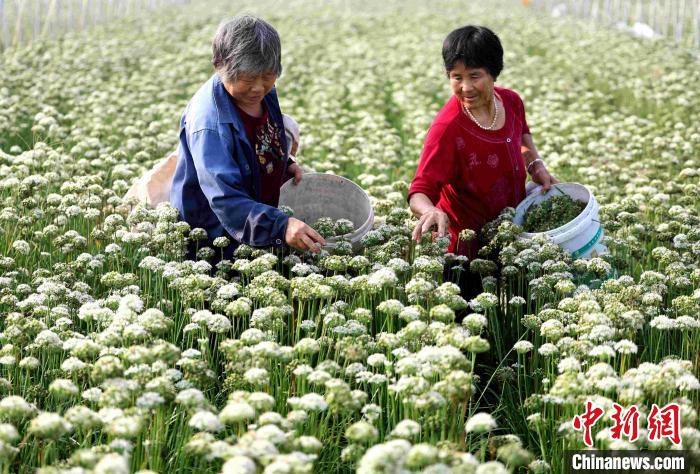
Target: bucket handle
560	191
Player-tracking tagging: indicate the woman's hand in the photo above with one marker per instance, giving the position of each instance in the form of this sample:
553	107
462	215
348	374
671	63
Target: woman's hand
302	237
295	169
540	175
429	218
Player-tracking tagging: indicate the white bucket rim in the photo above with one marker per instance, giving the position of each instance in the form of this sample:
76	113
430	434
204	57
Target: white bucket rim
360	230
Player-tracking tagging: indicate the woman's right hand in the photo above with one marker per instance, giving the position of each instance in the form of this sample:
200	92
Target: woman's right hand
429	218
302	237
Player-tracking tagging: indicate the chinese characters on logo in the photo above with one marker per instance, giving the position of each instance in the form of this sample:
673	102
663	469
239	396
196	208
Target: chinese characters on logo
587	420
665	423
661	422
626	422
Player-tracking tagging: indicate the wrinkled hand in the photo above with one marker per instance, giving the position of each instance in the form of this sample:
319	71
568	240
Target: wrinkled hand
541	176
433	217
295	169
302	237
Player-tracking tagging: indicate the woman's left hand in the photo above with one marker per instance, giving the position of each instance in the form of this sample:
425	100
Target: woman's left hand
541	176
295	169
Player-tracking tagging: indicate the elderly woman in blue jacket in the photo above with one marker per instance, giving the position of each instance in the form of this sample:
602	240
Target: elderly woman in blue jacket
233	154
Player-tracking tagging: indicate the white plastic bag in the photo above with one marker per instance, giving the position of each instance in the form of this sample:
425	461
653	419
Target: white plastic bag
291	130
154	187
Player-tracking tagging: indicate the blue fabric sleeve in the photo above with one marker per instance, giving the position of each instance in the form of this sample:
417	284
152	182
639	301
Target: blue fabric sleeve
246	220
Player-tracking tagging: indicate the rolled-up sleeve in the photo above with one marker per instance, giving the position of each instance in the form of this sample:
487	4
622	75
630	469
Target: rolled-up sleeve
436	164
220	178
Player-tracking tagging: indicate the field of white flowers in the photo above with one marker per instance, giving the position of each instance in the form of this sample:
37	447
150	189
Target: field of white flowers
118	356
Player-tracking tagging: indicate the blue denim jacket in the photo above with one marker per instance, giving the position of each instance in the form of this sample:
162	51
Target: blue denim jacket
217	179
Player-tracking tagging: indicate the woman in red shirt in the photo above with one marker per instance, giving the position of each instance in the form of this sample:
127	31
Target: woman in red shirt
479	147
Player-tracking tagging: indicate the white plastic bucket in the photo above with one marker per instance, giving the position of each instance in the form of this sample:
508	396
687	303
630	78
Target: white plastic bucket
328	195
581	237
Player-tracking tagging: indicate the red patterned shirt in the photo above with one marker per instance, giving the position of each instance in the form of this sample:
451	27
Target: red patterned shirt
265	138
469	173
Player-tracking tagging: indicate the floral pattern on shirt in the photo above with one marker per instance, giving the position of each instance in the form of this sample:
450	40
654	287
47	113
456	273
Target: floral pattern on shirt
268	145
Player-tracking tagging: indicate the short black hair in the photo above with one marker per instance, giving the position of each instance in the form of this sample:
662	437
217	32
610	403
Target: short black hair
475	47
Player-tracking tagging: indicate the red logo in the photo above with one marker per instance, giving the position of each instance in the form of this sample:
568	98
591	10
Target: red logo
626	422
587	420
665	423
661	423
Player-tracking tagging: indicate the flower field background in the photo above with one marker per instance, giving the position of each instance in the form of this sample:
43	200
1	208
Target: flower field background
118	356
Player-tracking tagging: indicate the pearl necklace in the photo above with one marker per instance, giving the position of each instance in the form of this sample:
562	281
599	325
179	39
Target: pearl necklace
495	116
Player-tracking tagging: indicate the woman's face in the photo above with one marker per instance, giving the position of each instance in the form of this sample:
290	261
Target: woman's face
248	90
472	86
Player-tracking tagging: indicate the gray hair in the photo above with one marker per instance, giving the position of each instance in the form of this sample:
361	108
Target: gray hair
246	45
